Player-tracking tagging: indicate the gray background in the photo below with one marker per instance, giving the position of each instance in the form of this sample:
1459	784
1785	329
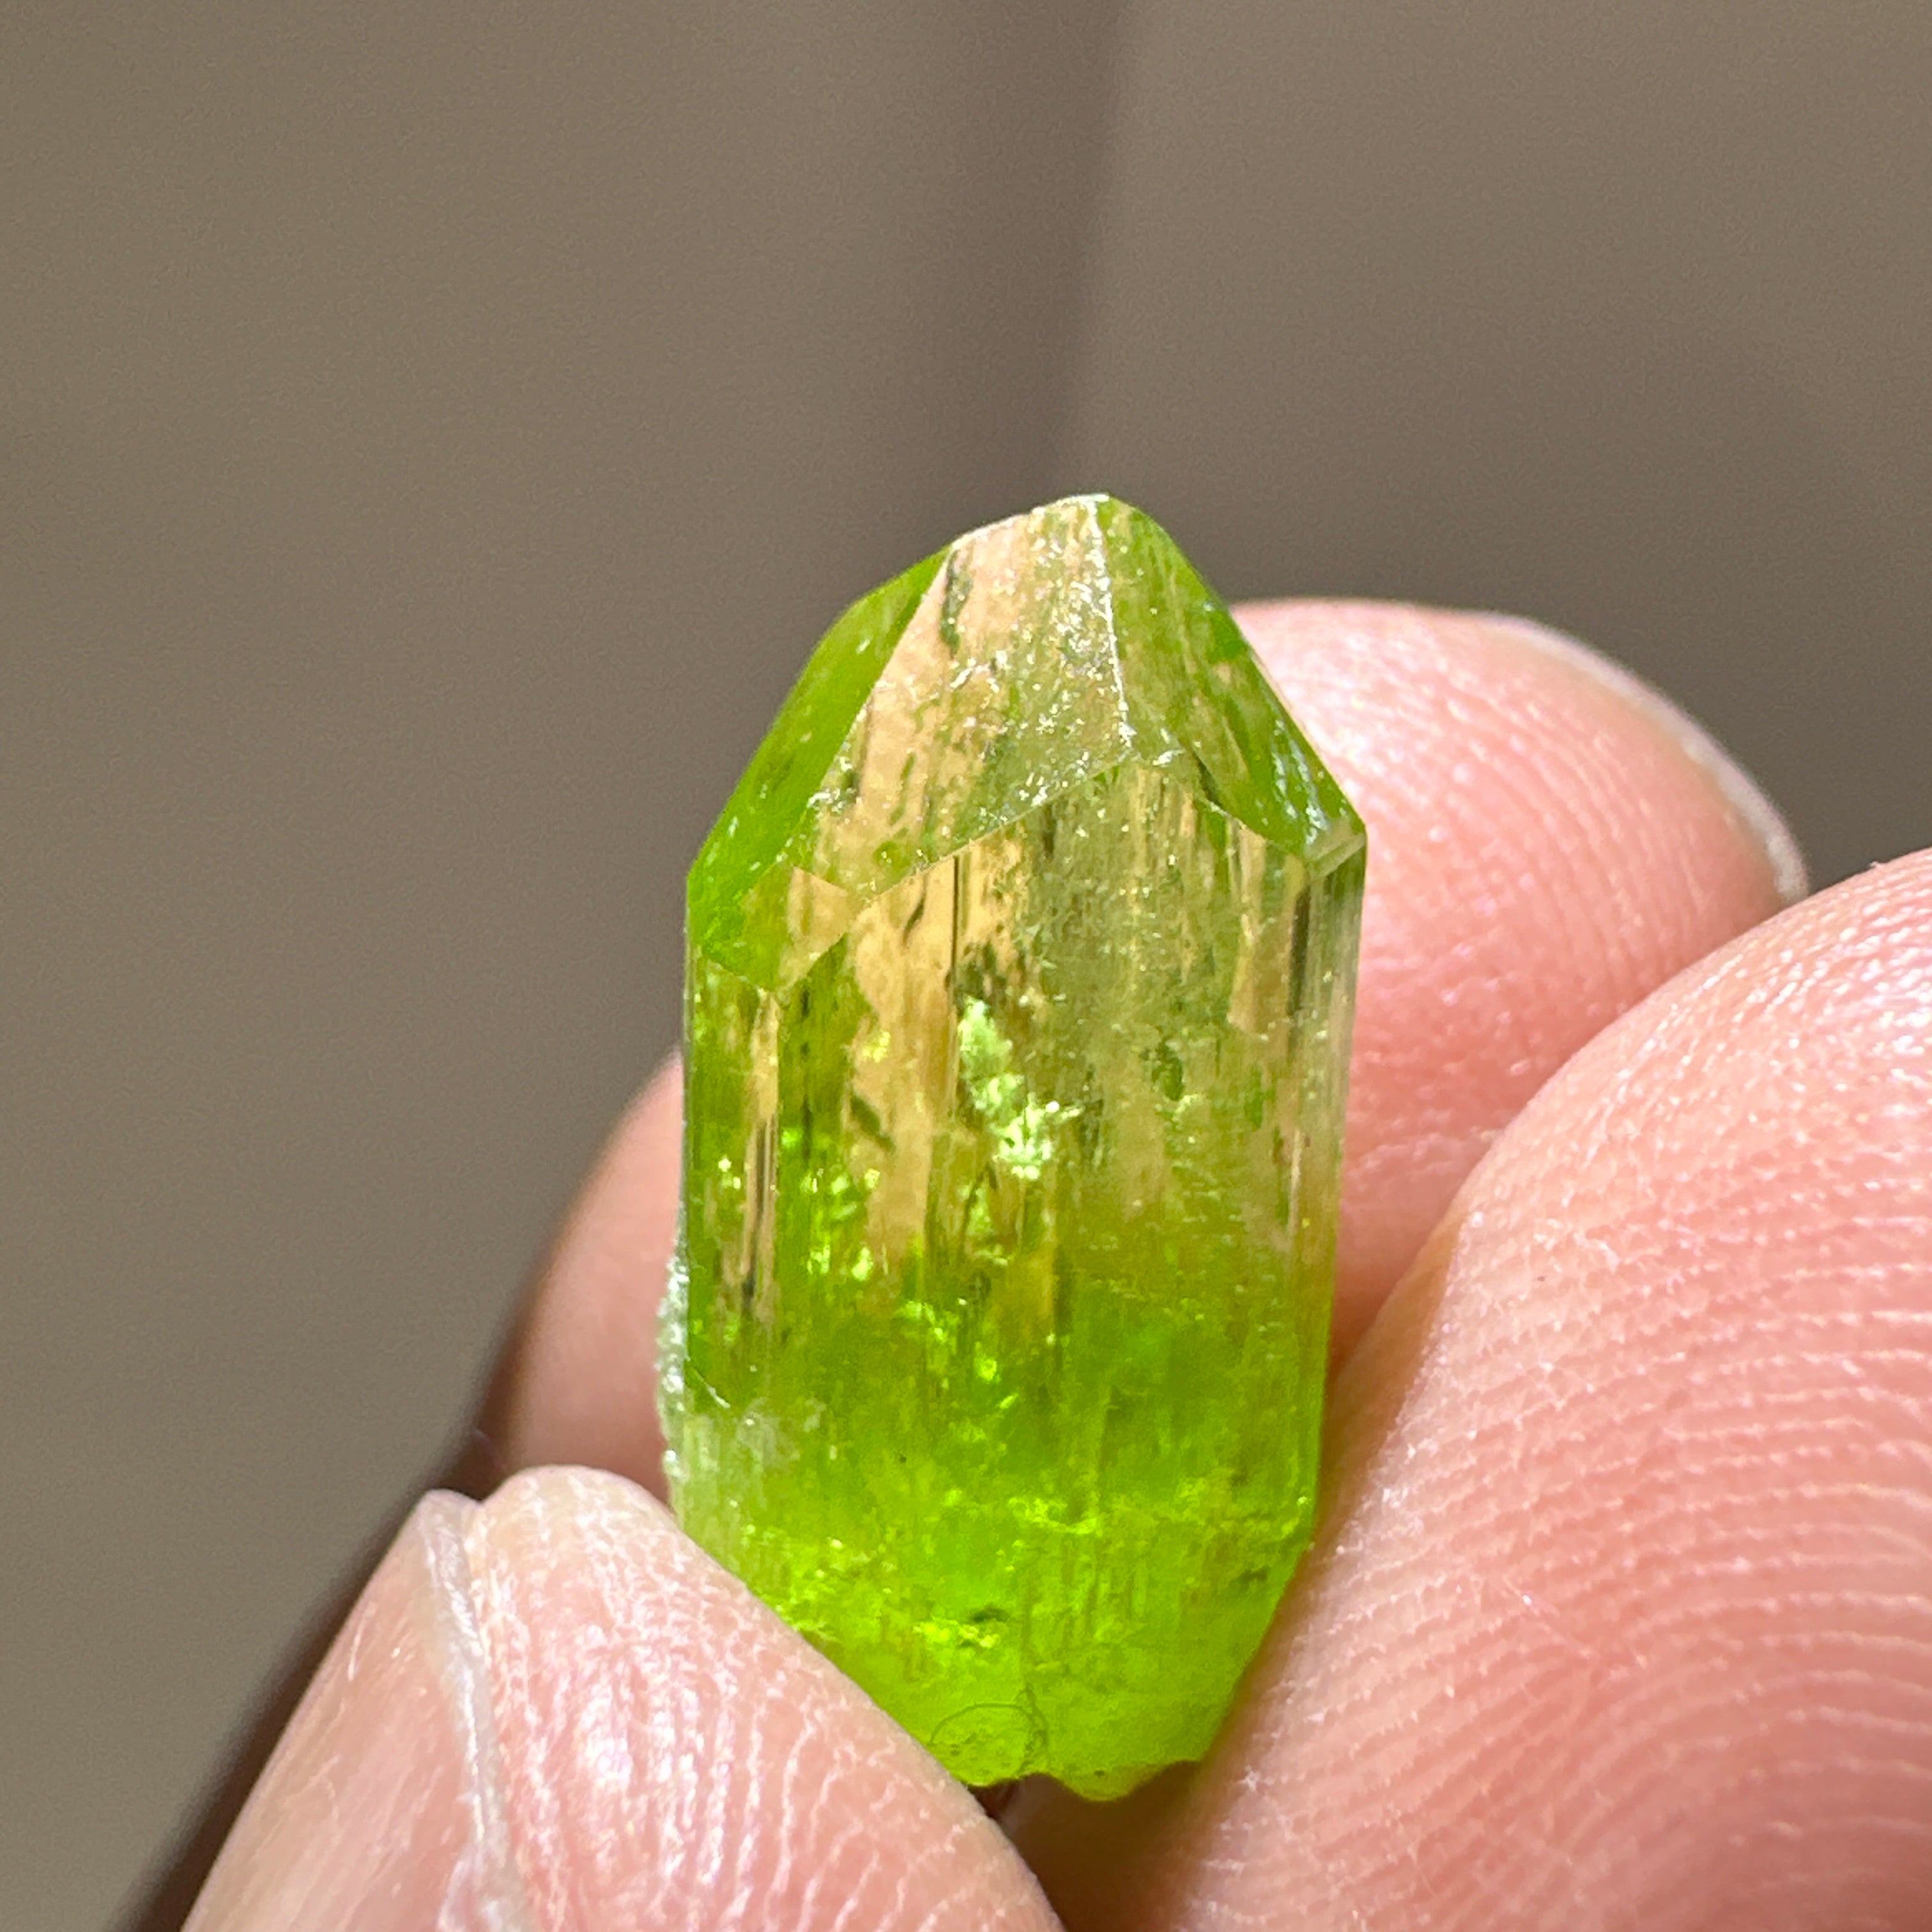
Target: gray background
431	436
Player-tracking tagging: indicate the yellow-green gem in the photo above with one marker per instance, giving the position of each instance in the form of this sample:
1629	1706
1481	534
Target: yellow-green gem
1020	971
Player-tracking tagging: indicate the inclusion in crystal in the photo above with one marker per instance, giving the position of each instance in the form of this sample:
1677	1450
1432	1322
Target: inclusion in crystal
1019	975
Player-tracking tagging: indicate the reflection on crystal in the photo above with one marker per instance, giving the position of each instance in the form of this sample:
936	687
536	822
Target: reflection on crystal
1021	965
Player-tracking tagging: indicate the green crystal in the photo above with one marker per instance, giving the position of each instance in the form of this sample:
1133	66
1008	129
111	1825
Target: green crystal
1019	975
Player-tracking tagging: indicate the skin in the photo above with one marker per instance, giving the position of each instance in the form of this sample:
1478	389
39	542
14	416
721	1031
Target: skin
1620	1612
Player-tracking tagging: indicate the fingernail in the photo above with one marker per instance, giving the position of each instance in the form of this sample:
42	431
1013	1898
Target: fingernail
382	1806
1759	818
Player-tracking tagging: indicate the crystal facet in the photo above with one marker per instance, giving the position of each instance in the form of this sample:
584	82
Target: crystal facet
1019	975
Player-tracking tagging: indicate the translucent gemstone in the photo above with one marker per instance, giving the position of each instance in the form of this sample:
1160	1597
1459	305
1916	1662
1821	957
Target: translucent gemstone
1020	971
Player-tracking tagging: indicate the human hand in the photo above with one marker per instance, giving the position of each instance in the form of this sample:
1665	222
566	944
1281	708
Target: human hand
1618	1614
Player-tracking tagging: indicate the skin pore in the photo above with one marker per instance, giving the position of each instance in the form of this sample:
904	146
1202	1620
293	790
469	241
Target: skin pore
1617	1613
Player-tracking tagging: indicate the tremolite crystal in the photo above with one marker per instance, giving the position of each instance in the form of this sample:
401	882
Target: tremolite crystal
1020	971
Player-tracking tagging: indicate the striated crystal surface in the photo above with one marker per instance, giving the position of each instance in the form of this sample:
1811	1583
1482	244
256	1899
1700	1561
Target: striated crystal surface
1020	970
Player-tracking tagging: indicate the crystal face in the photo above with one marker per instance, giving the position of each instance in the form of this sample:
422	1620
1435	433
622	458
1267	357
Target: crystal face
1019	975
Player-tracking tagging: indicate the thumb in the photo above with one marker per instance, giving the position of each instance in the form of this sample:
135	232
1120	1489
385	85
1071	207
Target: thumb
551	1710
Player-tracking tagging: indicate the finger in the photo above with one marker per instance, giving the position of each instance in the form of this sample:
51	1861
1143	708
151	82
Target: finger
578	1367
1621	1614
1549	841
579	1383
551	1712
372	1810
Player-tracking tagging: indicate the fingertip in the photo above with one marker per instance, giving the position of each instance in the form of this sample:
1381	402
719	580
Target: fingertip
1758	821
547	1708
380	1807
668	1737
1550	841
579	1383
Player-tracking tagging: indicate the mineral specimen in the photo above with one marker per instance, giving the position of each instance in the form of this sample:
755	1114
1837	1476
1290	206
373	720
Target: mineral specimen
1019	975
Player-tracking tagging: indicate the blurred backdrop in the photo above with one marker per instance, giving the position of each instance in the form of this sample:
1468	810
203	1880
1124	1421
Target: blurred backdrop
431	436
